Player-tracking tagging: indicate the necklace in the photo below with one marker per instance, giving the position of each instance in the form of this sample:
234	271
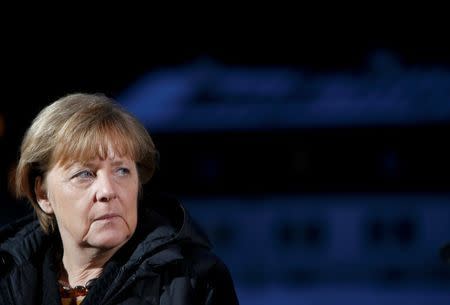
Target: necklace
68	291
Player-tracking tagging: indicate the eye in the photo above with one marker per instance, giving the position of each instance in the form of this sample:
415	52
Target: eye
123	171
84	174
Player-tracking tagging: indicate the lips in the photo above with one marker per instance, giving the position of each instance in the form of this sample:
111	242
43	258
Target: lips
107	216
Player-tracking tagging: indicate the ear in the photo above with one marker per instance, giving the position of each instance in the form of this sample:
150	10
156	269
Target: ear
41	195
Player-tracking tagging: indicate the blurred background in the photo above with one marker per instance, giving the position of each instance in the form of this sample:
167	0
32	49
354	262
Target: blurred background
318	163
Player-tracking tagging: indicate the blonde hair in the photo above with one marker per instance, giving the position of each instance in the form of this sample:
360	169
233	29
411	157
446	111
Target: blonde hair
79	127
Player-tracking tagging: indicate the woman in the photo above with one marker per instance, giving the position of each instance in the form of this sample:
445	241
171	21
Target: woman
82	166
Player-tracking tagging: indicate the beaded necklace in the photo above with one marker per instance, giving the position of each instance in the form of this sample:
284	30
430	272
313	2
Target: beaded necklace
73	295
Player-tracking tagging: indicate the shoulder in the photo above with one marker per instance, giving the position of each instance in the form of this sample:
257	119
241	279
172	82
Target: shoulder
205	263
6	263
20	242
191	261
211	275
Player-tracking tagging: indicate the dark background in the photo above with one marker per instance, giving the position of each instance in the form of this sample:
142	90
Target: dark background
40	64
39	67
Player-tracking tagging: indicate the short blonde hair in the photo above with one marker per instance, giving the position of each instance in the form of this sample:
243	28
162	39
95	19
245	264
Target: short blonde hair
79	127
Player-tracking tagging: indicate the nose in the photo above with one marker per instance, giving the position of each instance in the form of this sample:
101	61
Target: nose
105	188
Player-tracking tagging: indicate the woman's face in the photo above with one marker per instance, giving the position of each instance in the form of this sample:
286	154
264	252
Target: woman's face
95	204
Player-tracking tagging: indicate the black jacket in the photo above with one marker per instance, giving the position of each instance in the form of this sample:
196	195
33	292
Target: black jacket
167	261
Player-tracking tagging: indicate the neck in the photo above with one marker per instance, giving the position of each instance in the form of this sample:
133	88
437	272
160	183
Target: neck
79	267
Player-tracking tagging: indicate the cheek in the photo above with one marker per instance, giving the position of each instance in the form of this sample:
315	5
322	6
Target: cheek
71	208
129	203
132	206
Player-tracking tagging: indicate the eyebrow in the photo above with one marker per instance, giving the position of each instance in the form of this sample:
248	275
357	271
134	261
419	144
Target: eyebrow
114	163
118	162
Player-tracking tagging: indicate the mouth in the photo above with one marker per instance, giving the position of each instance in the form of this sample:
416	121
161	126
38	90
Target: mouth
107	216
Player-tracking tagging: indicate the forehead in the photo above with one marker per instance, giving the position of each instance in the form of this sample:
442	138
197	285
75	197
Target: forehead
89	137
96	161
86	151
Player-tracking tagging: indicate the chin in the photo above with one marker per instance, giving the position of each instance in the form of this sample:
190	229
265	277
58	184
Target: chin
109	240
108	234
